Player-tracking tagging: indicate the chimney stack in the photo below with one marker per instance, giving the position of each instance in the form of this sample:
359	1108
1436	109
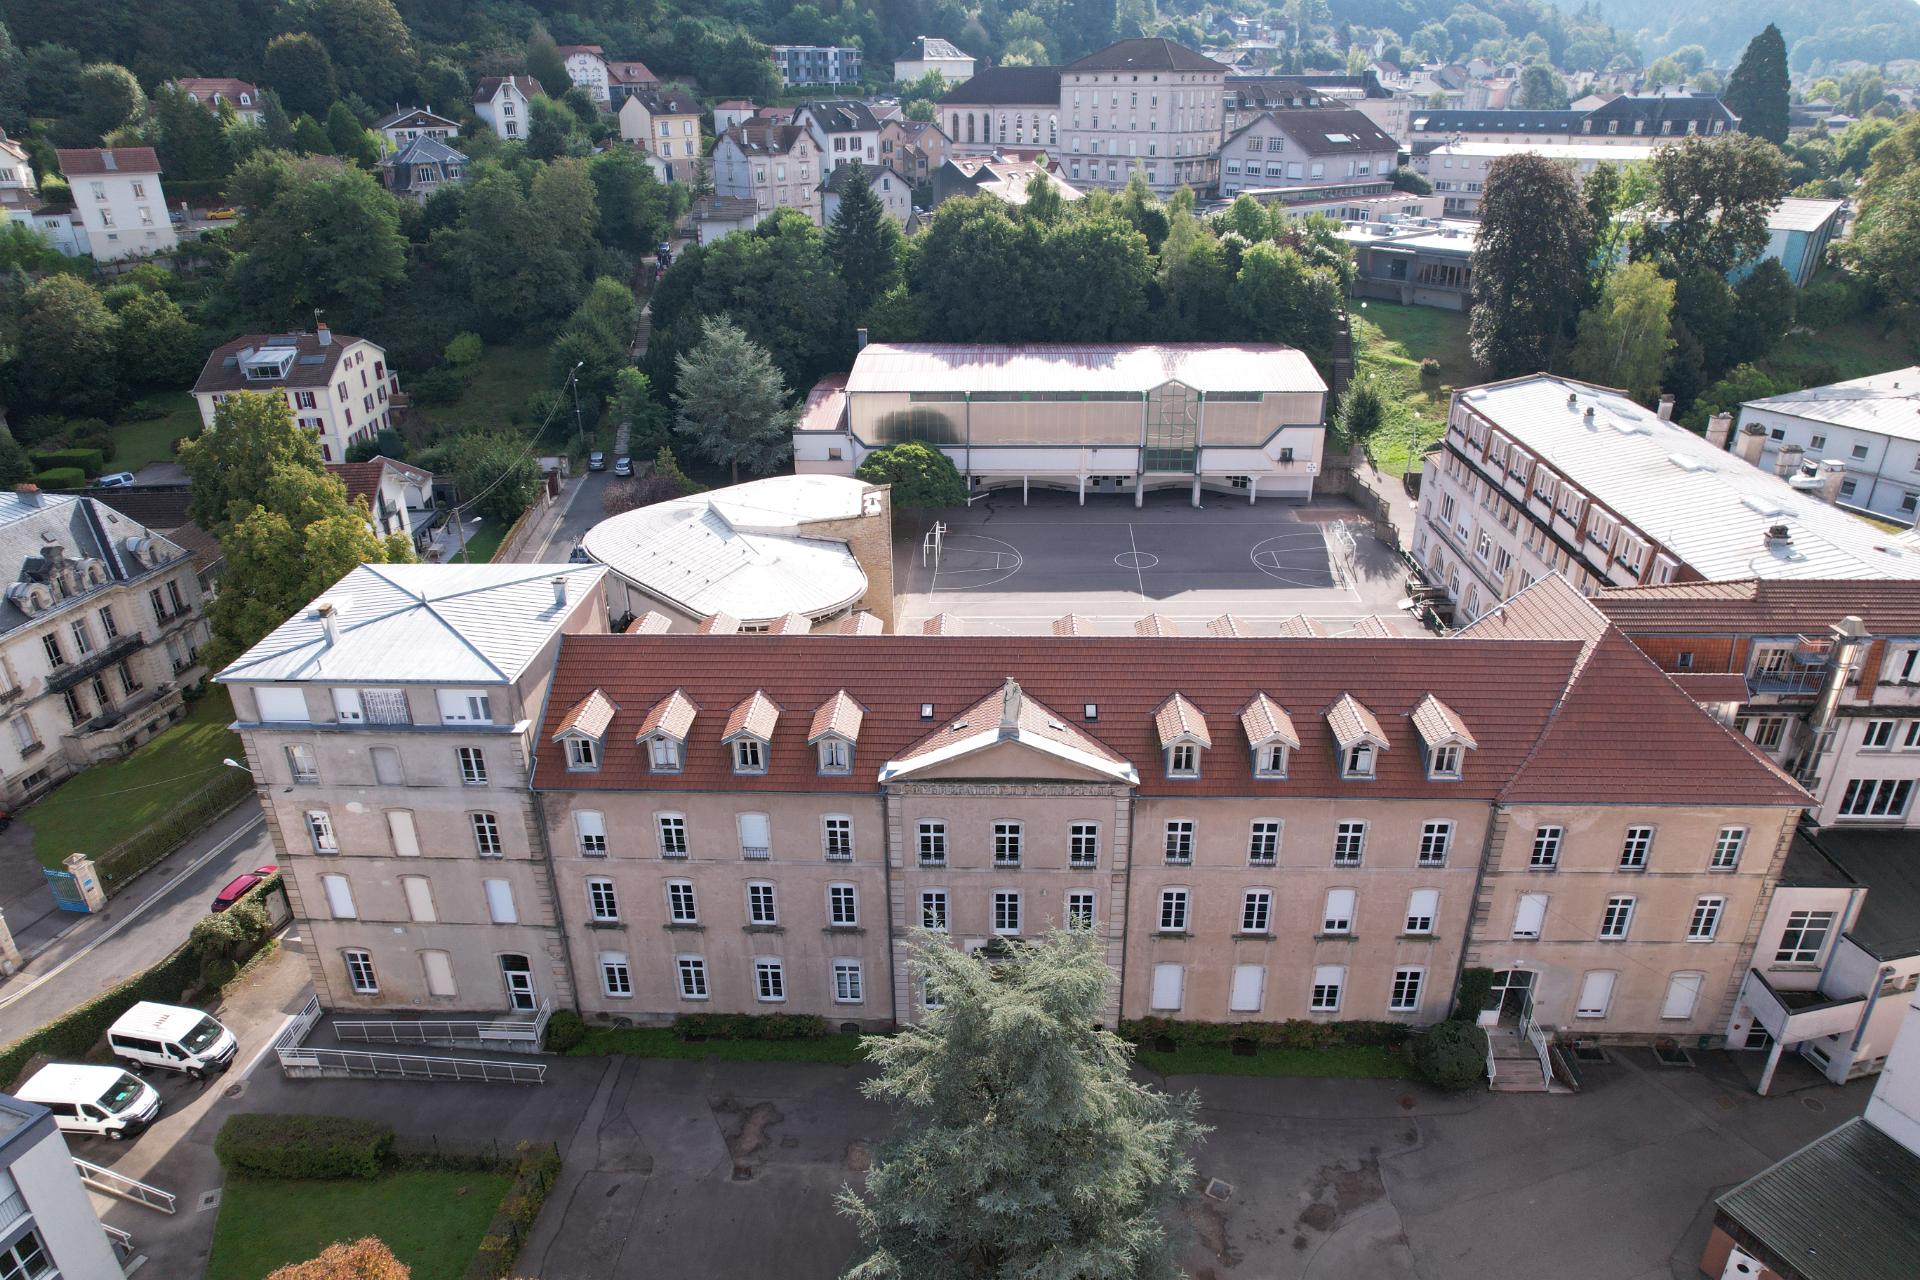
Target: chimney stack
324	334
1787	463
1666	408
1753	438
29	494
329	622
560	590
1833	473
860	338
1719	428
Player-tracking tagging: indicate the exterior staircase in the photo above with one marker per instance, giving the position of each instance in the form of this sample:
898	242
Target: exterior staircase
1516	1064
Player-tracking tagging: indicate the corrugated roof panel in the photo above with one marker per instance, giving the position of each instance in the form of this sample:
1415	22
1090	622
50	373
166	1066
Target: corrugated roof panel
1102	367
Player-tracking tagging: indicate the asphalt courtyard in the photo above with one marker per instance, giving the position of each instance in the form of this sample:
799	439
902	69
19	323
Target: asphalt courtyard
1004	565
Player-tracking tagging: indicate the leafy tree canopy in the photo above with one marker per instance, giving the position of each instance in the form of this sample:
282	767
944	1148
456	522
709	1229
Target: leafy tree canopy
921	475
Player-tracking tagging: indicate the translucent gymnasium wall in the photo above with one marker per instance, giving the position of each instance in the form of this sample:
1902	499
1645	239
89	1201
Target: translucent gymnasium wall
1063	418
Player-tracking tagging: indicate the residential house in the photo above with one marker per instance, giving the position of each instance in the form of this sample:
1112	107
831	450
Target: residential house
50	1222
100	632
1458	170
1865	431
422	167
403	124
1318	147
117	196
399	496
626	77
1002	107
502	102
1149	104
914	149
1121	418
20	202
716	216
339	388
1005	179
1544	475
211	91
931	53
894	192
389	726
843	130
666	123
587	67
801	65
774	166
731	112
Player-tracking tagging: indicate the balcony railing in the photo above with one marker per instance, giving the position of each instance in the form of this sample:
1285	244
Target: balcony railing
65	677
1796	679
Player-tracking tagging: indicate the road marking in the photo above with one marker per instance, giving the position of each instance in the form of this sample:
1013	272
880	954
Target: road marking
1136	563
135	913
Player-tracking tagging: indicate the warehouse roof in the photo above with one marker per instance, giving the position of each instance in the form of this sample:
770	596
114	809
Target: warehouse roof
1086	367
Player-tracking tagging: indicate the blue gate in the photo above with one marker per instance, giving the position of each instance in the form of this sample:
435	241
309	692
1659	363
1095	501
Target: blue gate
66	893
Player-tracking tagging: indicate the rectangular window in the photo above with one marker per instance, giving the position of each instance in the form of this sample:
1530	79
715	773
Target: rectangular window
320	828
1080	909
582	754
843	907
933	844
360	975
419	896
82	636
749	756
616	979
1878	733
682	906
1617	918
673	835
500	908
1706	919
1327	981
664	755
692	971
339	897
486	835
1173	910
280	705
1436	838
837	839
1804	937
1530	916
1169	984
464	706
1596	993
1256	911
300	762
473	766
1876	798
1444	761
1083	844
1006	844
1183	761
836	757
1546	848
847	985
756	836
1727	847
933	910
601	902
1337	918
1683	993
1406	990
1633	852
591	829
1263	842
1423	905
1006	911
770	980
761	908
1244	995
1349	843
1359	763
51	643
1179	841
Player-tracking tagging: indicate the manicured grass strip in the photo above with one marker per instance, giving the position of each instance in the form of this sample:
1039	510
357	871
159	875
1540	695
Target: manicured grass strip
98	808
659	1042
432	1221
1356	1062
135	444
483	540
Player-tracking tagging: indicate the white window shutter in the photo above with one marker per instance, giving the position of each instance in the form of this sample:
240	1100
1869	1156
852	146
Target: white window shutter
339	897
419	899
1531	916
406	842
1169	980
439	971
1248	979
282	706
500	902
754	831
1596	993
590	823
346	706
1683	989
1424	902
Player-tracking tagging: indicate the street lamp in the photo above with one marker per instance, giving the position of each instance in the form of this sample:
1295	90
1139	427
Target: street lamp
231	763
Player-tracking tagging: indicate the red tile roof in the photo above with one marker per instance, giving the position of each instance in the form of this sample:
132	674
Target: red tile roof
1069	624
591	716
1713	686
92	160
1299	627
650	623
363	478
1179	719
1772	606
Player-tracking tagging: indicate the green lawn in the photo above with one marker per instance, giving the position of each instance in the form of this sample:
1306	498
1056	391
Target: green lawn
432	1221
495	397
97	809
1852	349
483	540
1390	341
659	1042
136	443
1357	1062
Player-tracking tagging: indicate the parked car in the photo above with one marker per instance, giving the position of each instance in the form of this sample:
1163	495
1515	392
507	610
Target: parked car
88	1099
220	215
623	466
118	480
178	217
172	1038
596	461
579	555
237	887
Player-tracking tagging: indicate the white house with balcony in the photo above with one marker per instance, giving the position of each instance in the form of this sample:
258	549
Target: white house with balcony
338	386
502	101
117	197
587	67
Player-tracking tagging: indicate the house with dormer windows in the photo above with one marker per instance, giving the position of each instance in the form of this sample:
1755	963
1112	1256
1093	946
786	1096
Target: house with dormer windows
339	387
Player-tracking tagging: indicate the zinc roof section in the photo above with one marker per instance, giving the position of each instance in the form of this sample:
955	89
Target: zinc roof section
424	624
1352	723
839	715
672	715
1437	723
1772	606
1884	403
1713	512
1840	1208
1265	721
591	716
753	718
1505	690
1179	720
1103	367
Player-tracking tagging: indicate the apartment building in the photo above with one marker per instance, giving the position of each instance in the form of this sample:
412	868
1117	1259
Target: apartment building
48	1227
1003	107
1621	119
339	388
1544	474
389	730
666	123
1149	104
502	103
773	166
1869	428
801	65
894	192
118	199
914	149
399	496
1308	147
100	634
626	77
843	130
20	202
1248	95
1458	168
931	53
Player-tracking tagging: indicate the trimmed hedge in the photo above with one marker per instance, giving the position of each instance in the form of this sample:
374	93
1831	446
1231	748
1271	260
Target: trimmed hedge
1296	1033
565	1030
1452	1055
519	1210
182	823
1476	989
91	461
748	1026
61	478
267	1145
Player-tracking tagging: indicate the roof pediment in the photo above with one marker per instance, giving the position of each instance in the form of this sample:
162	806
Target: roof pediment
671	717
998	732
589	717
1178	720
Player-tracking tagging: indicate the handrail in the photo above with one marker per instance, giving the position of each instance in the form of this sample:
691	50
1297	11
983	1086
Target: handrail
1490	1067
413	1066
118	1184
1540	1047
424	1030
122	1240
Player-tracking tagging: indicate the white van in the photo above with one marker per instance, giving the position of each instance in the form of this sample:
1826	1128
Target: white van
100	1100
173	1038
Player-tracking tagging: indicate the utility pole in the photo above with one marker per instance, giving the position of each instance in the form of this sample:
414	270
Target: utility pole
574	380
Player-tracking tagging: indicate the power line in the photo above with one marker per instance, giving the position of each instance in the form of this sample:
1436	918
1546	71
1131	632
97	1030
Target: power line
453	512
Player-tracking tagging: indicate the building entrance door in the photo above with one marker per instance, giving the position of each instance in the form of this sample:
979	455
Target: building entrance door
1514	987
519	978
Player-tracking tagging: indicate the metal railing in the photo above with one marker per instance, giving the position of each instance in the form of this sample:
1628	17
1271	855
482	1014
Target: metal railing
122	1241
1491	1069
1530	1030
429	1030
408	1066
115	1184
1797	679
303	1021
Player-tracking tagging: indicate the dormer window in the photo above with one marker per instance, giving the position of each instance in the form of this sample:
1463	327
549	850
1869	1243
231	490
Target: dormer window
663	754
1445	736
582	754
1183	761
1270	761
584	728
1270	736
1444	762
1183	734
664	732
833	731
836	756
1360	758
749	756
1357	736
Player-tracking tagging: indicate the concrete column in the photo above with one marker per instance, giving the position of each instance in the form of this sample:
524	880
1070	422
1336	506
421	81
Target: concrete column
1083	490
1773	1060
86	880
1253	488
10	960
1139	491
1023	491
1196	491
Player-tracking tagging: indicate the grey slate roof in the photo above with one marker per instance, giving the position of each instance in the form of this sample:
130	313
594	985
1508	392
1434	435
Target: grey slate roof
414	118
1153	53
1009	86
422	153
1887	862
1844	1207
840	115
1496	120
1325	131
84	529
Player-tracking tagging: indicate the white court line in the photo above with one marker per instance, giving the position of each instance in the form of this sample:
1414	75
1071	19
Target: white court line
1136	563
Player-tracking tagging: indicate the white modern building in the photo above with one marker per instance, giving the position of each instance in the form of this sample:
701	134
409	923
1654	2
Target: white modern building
931	53
501	101
894	192
20	202
48	1227
587	67
338	386
1114	418
1870	426
1149	104
1318	147
801	65
117	197
1458	170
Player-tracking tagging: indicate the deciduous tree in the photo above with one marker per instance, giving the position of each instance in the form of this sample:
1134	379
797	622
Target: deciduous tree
299	69
1022	1145
545	64
496	475
229	466
1757	91
109	98
330	240
1279	297
371	47
70	342
636	209
1529	265
159	345
1542	89
1625	336
1712	200
364	1259
732	403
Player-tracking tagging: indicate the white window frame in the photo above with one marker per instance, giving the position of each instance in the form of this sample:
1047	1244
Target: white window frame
1636	848
616	975
935	903
749	757
1530	904
763	904
1176	907
1329	986
338	891
664	754
361	975
1586	1008
1082	908
501	908
1436	842
320	831
683	902
769	980
1336	915
1408	984
836	837
1443	762
835	757
603	900
932	842
1165	975
1547	840
1178	842
1083	845
690	977
590	833
1256	912
1183	760
671	831
1008	911
1616	918
849	983
1009	843
302	765
843	905
1359	762
1709	909
486	835
583	754
1263	841
1727	848
1423	912
1349	842
1270	760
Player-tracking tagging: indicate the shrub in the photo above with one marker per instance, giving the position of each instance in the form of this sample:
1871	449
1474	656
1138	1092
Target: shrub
464	349
142	411
519	1209
83	459
565	1030
921	475
92	433
668	466
747	1026
1452	1055
45	430
1476	989
1296	1033
437	386
62	478
268	1145
1361	410
1430	368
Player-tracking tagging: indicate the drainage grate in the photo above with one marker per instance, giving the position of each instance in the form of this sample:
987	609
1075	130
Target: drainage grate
743	1173
1218	1190
209	1200
1671	1055
1589	1053
1813	1104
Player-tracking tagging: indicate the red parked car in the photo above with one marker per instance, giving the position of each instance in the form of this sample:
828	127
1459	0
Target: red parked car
238	886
